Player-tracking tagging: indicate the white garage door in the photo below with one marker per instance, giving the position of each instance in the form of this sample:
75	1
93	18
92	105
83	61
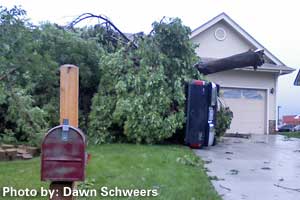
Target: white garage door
249	110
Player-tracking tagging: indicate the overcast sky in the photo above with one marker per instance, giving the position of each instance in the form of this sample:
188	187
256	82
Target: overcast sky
275	24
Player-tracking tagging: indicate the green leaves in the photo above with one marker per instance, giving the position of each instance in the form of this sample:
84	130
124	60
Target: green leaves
190	160
224	117
126	94
30	57
28	121
144	103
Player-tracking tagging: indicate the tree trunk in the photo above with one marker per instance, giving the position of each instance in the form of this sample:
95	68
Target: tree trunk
246	59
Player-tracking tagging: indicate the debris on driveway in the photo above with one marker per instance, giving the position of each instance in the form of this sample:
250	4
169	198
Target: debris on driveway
268	170
287	188
226	188
207	161
215	178
233	172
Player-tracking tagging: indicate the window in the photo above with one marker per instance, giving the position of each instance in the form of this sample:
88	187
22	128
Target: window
251	94
242	93
232	93
220	34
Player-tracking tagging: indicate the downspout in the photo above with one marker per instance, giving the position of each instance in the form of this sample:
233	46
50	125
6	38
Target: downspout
276	101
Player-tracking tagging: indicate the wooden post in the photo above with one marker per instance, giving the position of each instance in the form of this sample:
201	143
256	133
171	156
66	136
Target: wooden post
69	86
69	93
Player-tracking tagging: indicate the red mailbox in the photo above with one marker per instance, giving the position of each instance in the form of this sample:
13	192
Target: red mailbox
63	154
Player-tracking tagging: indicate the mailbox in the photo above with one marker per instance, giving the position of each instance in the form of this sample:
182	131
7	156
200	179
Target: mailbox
63	154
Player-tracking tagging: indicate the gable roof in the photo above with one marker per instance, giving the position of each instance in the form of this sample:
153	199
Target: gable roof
244	34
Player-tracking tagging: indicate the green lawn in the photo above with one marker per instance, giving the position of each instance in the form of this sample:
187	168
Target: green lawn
127	166
291	134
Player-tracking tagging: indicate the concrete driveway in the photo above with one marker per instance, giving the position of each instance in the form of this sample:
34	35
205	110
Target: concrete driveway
259	168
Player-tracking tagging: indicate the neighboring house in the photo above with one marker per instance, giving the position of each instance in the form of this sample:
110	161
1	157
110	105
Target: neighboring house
291	119
251	95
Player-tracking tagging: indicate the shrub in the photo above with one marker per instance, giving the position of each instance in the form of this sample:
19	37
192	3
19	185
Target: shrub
224	117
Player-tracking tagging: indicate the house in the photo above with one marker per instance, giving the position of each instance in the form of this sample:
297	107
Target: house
251	95
291	119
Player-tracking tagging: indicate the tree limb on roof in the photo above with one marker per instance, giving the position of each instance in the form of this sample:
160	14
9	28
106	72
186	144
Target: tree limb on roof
246	59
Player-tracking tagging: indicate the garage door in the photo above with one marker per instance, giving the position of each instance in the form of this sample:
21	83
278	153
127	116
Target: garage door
249	109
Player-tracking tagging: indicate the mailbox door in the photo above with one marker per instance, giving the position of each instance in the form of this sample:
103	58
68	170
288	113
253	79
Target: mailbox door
63	155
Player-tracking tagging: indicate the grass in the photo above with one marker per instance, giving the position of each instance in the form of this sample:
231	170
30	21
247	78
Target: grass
174	170
291	134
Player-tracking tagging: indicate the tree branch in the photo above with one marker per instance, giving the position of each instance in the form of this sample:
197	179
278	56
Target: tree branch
160	22
287	188
246	59
90	15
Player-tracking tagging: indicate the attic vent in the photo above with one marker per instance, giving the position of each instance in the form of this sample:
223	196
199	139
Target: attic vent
220	34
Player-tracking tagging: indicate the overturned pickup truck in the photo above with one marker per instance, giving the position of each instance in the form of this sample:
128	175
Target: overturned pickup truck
202	97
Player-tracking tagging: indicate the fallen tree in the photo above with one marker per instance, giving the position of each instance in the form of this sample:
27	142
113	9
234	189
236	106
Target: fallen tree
246	59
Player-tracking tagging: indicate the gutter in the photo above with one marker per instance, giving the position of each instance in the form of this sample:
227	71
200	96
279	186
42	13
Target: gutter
280	72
